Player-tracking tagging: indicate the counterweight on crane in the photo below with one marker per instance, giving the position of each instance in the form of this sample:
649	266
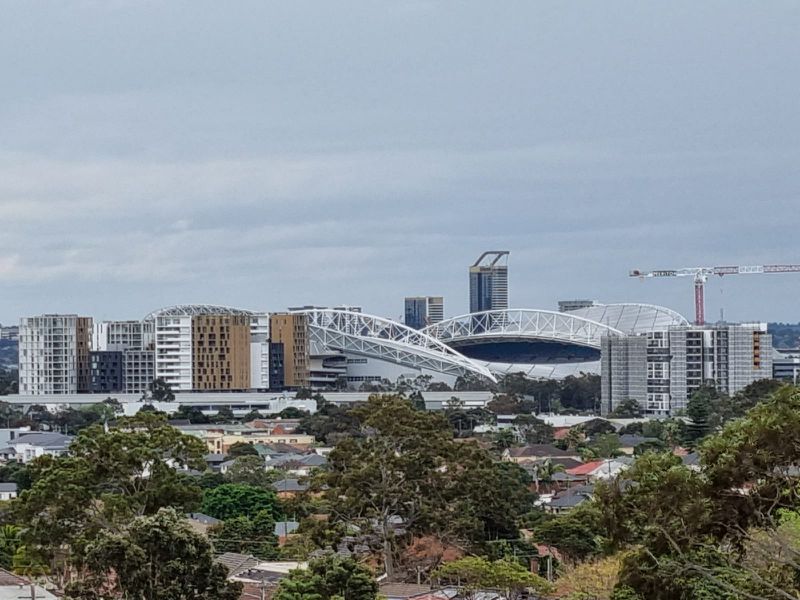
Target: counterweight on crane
701	274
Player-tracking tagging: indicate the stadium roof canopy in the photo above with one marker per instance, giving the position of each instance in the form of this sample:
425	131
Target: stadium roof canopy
383	339
193	310
584	327
632	318
516	323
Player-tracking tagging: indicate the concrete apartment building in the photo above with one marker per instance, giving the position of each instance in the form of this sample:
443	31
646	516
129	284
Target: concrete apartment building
662	369
54	354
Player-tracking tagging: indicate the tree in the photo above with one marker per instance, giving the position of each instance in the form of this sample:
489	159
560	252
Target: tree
405	476
699	411
10	543
161	391
232	500
596	426
579	533
250	470
503	440
473	574
533	430
593	580
242	449
328	578
244	535
192	414
471	382
156	557
224	415
627	409
106	479
606	445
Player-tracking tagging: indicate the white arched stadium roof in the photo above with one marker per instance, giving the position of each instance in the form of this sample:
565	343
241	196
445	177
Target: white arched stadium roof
193	310
522	323
632	318
372	336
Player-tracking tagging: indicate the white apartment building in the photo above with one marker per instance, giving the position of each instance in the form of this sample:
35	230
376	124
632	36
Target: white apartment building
54	354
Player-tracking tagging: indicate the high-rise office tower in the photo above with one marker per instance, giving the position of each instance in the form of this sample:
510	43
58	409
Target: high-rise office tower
488	281
421	311
54	354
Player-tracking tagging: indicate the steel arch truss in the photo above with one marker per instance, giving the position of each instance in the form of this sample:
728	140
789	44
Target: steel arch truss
522	323
368	335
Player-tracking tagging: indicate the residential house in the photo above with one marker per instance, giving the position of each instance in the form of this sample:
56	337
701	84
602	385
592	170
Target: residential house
220	437
535	452
412	591
289	488
629	442
296	464
15	587
201	523
28	446
8	491
601	469
570	498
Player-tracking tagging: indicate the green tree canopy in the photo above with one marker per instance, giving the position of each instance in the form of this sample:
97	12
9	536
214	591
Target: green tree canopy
242	449
156	557
244	535
105	480
232	500
473	574
328	578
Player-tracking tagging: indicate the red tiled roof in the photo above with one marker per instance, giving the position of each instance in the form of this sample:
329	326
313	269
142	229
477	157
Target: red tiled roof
585	468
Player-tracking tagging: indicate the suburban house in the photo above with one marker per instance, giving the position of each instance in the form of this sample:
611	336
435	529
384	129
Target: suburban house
8	491
537	452
628	442
601	469
296	464
289	488
259	578
412	591
14	587
27	446
220	437
201	523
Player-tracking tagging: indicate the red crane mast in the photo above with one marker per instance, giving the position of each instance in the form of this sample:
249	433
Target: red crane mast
701	275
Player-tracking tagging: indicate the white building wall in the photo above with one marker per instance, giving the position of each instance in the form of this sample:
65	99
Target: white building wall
173	343
259	365
48	355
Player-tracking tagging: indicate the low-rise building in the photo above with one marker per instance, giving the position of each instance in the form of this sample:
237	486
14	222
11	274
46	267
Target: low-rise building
8	491
28	446
219	437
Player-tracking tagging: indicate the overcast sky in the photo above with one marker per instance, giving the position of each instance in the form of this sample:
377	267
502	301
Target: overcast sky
266	154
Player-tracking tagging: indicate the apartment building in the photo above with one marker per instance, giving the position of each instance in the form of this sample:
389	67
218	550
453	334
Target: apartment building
662	369
54	354
289	350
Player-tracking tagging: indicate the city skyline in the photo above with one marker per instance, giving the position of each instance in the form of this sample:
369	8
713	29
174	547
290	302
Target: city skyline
230	168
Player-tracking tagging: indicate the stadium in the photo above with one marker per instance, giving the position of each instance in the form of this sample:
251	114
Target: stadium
542	344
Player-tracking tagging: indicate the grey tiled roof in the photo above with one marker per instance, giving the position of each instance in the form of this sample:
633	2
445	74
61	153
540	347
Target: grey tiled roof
47	439
8	487
289	485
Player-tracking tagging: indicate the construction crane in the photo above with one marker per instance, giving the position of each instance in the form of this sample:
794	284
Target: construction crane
701	275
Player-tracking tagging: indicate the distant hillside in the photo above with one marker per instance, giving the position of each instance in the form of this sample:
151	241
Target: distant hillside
785	335
9	354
